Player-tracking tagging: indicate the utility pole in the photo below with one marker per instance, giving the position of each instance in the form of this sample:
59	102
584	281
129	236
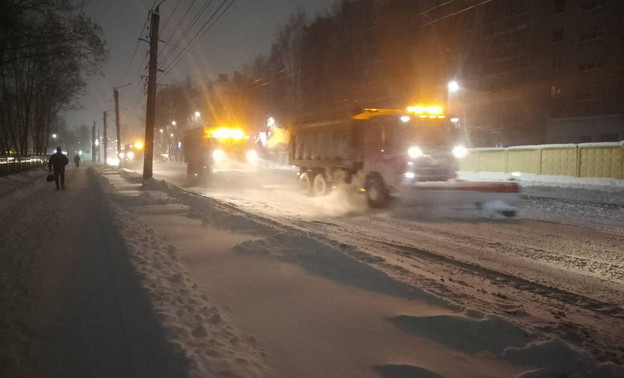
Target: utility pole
97	142
93	143
116	95
105	139
150	118
117	125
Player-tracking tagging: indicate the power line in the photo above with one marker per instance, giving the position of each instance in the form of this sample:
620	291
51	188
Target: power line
170	14
186	31
203	30
136	97
135	48
138	71
456	13
175	44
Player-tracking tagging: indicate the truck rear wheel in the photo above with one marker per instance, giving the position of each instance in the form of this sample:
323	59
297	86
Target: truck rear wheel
190	169
321	186
376	192
305	183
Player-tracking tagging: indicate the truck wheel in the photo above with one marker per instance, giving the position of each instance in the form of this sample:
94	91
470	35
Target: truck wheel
376	192
321	186
305	183
190	170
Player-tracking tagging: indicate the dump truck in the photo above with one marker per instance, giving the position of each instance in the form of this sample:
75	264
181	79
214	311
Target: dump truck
386	153
210	149
131	155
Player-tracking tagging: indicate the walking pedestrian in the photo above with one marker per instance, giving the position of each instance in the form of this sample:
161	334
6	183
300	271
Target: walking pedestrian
77	160
58	161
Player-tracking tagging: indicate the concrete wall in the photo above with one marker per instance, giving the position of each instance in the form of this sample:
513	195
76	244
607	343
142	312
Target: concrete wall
604	160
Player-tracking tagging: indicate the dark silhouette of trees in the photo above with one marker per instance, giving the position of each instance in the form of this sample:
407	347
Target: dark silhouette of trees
47	48
275	79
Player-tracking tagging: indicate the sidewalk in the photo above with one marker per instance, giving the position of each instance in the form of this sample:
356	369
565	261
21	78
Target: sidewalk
71	304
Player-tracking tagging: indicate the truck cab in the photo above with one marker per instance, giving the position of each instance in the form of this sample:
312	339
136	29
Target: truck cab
407	148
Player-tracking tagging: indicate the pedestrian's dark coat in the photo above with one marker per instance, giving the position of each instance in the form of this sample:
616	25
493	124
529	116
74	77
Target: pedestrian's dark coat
58	161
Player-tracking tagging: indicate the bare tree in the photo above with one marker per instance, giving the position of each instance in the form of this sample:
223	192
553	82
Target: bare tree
47	49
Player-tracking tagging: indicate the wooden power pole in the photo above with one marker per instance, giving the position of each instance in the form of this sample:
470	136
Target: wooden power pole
105	141
116	95
150	119
97	143
93	143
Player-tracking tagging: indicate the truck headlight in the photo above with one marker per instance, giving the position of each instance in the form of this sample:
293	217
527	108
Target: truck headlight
121	155
252	156
460	152
414	152
130	155
218	155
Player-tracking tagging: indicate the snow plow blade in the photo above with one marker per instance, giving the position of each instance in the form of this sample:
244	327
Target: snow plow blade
491	197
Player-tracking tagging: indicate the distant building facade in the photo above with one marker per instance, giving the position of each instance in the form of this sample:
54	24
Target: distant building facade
530	71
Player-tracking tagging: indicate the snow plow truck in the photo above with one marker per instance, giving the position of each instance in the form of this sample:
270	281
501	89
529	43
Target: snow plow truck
387	153
209	149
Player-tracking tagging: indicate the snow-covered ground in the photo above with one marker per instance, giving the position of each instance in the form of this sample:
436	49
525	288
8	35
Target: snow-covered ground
250	278
563	250
564	247
88	290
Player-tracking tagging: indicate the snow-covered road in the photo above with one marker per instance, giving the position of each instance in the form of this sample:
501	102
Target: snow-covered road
558	268
247	277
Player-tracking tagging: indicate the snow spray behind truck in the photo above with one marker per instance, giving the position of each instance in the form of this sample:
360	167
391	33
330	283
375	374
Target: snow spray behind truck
220	148
381	152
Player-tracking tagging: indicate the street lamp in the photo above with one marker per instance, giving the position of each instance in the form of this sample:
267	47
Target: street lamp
54	136
197	114
453	86
173	123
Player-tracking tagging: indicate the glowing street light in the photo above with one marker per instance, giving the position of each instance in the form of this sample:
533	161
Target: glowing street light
174	122
54	136
197	114
453	86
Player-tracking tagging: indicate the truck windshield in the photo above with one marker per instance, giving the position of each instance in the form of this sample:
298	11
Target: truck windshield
429	132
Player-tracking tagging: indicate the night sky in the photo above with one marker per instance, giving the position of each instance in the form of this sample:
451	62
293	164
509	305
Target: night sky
245	30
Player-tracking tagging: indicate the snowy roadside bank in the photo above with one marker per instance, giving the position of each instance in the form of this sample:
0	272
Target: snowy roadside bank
71	303
336	262
194	325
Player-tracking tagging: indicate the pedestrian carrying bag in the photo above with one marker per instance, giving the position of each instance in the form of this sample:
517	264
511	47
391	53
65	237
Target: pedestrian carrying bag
50	177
